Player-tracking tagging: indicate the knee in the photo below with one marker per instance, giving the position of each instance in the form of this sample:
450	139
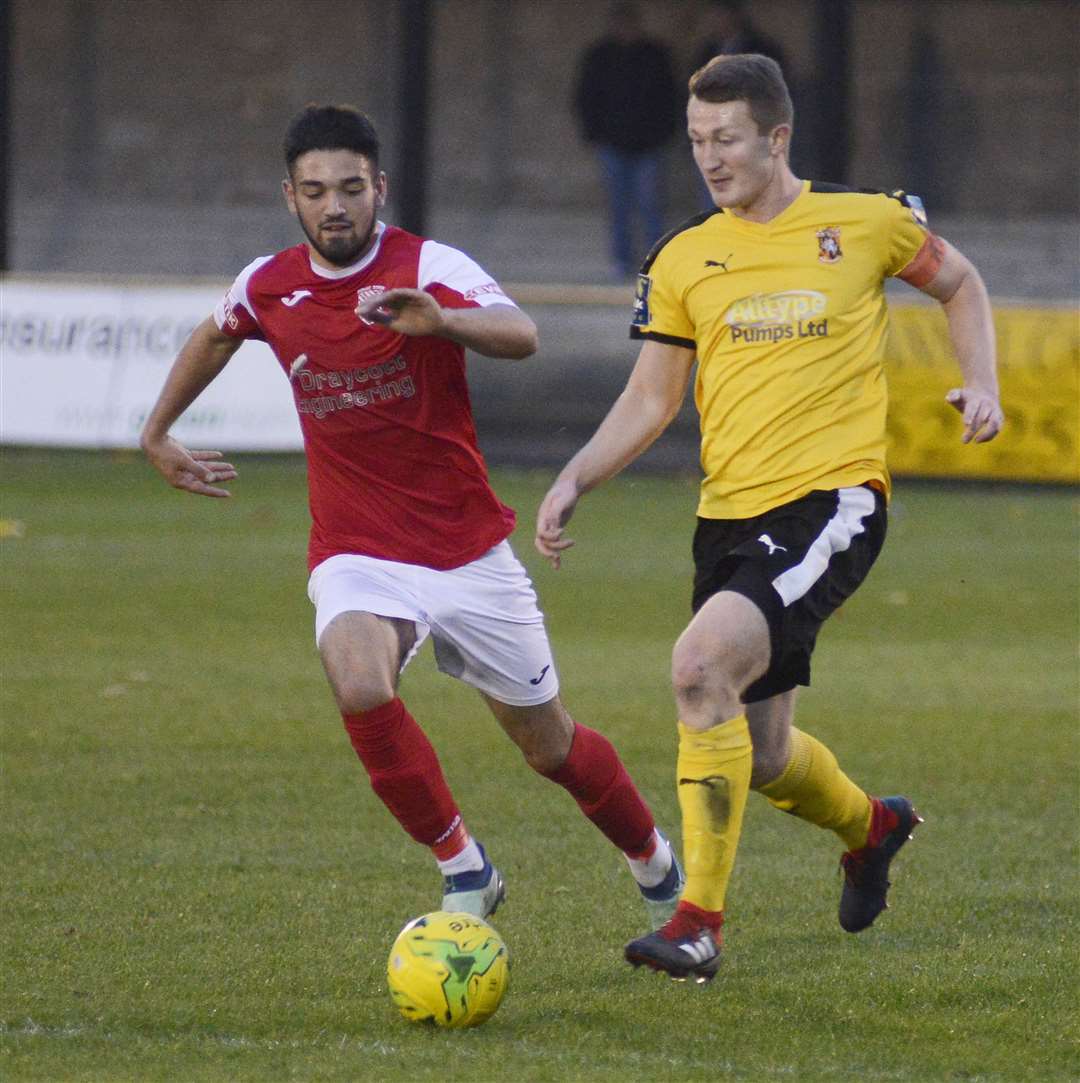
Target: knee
704	689
543	736
544	759
356	695
688	676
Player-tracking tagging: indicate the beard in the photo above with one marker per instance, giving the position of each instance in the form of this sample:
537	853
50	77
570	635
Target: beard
340	249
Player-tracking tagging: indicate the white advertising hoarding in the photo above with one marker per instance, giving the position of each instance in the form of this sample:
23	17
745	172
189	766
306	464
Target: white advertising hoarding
81	364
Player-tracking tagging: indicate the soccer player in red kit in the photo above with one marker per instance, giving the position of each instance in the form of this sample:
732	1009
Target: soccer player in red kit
370	325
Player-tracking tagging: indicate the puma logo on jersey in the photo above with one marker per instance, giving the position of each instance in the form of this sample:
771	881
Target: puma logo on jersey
771	545
297	365
295	297
721	263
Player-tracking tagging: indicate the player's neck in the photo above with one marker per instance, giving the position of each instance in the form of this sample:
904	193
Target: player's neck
319	260
774	199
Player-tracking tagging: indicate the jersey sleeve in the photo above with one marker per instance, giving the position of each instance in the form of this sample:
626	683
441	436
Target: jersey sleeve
658	310
914	253
234	313
456	280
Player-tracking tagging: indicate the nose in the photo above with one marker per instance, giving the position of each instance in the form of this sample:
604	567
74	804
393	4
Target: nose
710	156
334	204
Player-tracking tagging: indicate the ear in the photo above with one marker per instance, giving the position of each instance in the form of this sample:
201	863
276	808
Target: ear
380	189
779	139
289	194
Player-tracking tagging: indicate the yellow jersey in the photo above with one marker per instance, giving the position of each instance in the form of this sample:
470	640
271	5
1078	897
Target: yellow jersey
788	320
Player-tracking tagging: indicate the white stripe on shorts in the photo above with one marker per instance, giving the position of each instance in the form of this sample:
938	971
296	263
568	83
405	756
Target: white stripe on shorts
855	504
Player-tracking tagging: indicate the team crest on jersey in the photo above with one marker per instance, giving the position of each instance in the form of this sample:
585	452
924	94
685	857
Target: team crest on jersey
642	317
828	240
364	294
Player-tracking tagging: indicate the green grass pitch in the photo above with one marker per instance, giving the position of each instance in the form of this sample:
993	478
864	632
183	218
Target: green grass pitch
197	883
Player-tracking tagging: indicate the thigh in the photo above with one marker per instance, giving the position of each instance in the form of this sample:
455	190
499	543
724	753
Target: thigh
650	182
350	583
618	169
727	641
488	630
363	655
368	625
798	563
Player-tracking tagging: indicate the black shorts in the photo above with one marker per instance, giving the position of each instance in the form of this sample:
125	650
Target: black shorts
797	563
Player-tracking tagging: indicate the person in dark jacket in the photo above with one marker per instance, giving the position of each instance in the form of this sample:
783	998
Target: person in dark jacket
729	29
627	105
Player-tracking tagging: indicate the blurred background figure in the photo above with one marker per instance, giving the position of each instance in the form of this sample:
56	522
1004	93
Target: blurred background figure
728	28
627	106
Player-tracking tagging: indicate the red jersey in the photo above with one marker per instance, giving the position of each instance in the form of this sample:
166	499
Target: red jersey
394	470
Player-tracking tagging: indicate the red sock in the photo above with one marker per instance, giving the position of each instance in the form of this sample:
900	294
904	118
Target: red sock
882	821
595	777
405	773
688	918
651	844
452	841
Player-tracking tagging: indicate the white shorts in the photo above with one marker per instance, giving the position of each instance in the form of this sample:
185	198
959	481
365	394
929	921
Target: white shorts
483	617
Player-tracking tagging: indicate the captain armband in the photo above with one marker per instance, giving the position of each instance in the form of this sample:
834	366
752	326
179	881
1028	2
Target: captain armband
927	262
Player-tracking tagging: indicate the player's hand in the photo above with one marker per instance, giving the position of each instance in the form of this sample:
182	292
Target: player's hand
981	412
193	471
408	312
553	515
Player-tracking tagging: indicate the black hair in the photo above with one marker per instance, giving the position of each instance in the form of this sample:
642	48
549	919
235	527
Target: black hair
331	127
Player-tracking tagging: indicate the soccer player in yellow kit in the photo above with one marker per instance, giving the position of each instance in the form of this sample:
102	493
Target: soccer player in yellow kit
779	296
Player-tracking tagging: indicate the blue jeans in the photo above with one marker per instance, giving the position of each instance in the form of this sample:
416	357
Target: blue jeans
635	193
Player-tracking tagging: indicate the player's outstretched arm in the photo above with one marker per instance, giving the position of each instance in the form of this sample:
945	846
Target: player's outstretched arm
649	402
202	357
492	330
960	289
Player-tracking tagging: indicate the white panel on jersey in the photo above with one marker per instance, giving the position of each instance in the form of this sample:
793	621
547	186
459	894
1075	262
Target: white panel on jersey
237	293
446	266
856	503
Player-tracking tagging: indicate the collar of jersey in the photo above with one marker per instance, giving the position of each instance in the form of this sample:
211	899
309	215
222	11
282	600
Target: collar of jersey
778	220
359	265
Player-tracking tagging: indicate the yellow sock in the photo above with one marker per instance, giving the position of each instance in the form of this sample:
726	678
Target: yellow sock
813	787
714	779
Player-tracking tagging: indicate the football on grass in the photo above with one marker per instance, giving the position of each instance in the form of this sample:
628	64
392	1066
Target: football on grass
448	969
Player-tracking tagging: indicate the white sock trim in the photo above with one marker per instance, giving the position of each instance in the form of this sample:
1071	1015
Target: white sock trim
469	860
652	871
